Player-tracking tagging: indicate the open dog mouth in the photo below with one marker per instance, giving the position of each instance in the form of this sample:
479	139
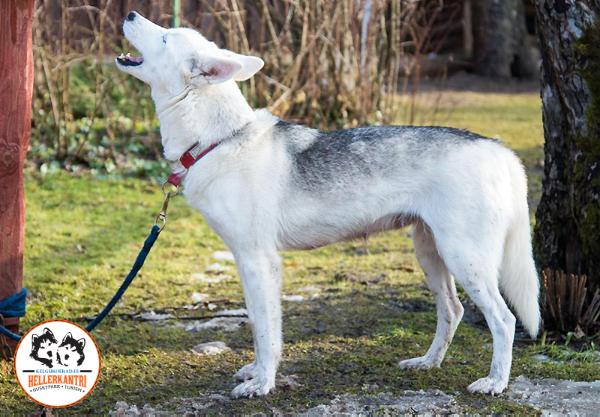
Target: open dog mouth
130	61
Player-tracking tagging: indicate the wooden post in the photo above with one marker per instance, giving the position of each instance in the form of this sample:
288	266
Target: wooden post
16	85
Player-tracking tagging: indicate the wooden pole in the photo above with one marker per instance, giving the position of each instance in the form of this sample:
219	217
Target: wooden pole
16	85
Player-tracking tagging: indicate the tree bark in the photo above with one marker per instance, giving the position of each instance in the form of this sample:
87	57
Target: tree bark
567	232
16	84
501	48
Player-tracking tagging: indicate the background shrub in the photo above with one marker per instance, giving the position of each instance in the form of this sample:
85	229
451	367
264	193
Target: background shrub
329	64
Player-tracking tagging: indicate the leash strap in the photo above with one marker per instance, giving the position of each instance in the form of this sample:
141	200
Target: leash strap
14	306
139	262
13	303
137	265
5	332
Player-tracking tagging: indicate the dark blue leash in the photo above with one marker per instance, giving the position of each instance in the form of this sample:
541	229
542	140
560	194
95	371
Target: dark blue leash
14	306
137	265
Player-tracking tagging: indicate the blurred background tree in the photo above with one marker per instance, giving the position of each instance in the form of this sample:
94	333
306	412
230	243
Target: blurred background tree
503	45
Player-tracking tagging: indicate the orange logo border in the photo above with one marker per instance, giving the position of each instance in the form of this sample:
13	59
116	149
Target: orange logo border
99	364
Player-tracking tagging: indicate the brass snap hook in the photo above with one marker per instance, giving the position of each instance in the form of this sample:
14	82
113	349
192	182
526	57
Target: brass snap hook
169	190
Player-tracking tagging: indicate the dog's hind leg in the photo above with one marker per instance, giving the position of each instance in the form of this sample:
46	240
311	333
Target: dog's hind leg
474	260
449	308
261	278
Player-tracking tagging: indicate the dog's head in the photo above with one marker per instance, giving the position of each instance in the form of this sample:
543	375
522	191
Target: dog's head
70	352
173	59
43	347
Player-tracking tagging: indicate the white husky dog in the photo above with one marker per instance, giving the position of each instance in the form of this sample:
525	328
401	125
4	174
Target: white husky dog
270	185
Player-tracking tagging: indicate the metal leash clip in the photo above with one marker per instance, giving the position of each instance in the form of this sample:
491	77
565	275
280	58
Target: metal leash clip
169	190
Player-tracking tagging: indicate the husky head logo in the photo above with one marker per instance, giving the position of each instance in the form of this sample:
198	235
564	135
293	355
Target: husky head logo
43	347
70	352
175	59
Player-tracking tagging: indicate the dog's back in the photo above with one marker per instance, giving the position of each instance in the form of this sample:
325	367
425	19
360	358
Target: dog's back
369	179
321	158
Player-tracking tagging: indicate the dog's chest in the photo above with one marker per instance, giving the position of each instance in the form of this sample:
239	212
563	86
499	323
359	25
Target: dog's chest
236	196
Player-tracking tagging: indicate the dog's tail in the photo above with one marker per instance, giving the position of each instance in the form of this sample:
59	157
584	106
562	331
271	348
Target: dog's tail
518	276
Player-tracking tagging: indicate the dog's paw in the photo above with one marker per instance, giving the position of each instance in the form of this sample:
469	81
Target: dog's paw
422	362
488	385
246	372
254	387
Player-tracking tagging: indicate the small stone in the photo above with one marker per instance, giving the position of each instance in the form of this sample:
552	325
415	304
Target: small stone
211	348
293	298
222	255
152	316
541	358
215	268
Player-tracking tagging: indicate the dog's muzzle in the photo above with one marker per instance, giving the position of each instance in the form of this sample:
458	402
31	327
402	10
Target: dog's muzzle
130	61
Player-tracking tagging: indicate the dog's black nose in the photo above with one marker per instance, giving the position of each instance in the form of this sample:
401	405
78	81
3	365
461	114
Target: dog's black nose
131	16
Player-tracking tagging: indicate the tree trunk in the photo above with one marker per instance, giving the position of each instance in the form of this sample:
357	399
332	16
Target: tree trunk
501	46
567	233
16	85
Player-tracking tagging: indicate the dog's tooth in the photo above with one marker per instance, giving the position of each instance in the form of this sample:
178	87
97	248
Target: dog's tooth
128	55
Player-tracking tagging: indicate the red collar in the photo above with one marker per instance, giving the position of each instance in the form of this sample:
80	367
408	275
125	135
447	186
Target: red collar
189	158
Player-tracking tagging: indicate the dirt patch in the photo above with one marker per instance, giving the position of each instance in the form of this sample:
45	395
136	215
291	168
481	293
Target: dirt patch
430	402
557	397
182	406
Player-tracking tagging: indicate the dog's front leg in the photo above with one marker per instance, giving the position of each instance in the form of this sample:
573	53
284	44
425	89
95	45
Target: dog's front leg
261	278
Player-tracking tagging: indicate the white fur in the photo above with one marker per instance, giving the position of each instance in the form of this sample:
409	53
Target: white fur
471	223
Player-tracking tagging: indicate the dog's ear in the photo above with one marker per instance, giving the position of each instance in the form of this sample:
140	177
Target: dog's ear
250	65
48	331
81	343
34	338
208	69
67	337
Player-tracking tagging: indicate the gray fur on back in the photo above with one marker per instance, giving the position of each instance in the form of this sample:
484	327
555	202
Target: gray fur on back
342	156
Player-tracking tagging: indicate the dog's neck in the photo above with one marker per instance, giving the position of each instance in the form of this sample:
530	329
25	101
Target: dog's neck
203	116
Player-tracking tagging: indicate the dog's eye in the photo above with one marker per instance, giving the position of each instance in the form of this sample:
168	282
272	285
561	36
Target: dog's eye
164	39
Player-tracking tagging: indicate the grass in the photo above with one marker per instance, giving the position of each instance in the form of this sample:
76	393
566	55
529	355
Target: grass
82	235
